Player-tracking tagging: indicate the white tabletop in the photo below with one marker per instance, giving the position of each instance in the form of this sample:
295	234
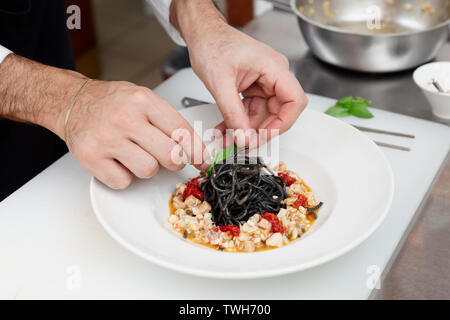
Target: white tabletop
51	245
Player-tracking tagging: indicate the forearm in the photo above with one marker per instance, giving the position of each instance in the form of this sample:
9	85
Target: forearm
195	19
36	93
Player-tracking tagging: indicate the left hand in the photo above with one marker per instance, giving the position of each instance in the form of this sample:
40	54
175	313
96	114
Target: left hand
229	63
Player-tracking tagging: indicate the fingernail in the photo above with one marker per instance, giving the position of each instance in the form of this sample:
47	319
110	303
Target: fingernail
239	137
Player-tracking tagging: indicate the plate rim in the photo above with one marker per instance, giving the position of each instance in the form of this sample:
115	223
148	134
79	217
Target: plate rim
255	274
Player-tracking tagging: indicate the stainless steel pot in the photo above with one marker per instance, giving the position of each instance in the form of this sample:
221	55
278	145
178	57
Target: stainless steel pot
374	35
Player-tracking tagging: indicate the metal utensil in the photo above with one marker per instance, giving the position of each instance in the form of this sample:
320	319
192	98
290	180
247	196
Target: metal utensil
392	146
392	133
191	102
437	85
374	35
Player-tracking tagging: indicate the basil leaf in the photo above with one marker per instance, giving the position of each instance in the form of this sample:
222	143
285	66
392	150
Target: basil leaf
359	100
348	102
360	111
338	112
344	102
352	105
222	155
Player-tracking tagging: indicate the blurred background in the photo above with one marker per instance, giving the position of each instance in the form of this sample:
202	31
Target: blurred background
122	40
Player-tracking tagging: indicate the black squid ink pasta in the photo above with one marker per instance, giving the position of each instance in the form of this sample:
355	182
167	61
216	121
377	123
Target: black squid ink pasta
240	189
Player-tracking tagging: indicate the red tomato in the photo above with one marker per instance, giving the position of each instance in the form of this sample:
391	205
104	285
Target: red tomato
287	178
233	229
192	188
270	217
301	201
273	219
276	227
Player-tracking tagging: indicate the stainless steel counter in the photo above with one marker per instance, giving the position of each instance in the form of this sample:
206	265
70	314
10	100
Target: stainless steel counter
419	269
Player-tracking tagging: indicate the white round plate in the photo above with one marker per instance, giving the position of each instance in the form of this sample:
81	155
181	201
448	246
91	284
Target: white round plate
344	169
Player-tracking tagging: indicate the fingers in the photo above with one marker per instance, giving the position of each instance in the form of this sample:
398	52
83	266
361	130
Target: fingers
255	90
123	130
165	150
141	158
288	99
230	105
257	111
112	173
172	124
259	118
284	97
222	127
234	113
103	166
273	102
142	164
228	139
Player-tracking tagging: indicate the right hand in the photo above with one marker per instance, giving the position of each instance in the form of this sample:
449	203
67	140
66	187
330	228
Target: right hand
117	130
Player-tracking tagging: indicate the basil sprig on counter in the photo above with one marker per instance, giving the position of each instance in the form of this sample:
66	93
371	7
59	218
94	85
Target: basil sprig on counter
222	155
347	106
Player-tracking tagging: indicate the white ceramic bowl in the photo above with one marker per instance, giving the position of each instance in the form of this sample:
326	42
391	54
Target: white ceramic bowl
440	102
345	170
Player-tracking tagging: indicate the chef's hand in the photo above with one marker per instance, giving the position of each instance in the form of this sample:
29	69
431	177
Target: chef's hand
117	130
230	62
114	129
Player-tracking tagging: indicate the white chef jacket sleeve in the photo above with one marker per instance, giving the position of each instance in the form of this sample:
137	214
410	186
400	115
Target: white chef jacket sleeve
161	9
3	53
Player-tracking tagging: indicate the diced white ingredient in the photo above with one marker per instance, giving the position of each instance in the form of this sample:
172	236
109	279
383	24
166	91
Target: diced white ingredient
253	220
178	203
180	188
208	216
282	213
243	236
281	167
284	221
204	208
276	240
297	188
195	226
265	224
192	201
180	212
214	237
173	218
247	246
294	234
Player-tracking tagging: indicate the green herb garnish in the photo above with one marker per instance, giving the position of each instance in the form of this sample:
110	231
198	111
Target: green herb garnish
347	106
222	155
